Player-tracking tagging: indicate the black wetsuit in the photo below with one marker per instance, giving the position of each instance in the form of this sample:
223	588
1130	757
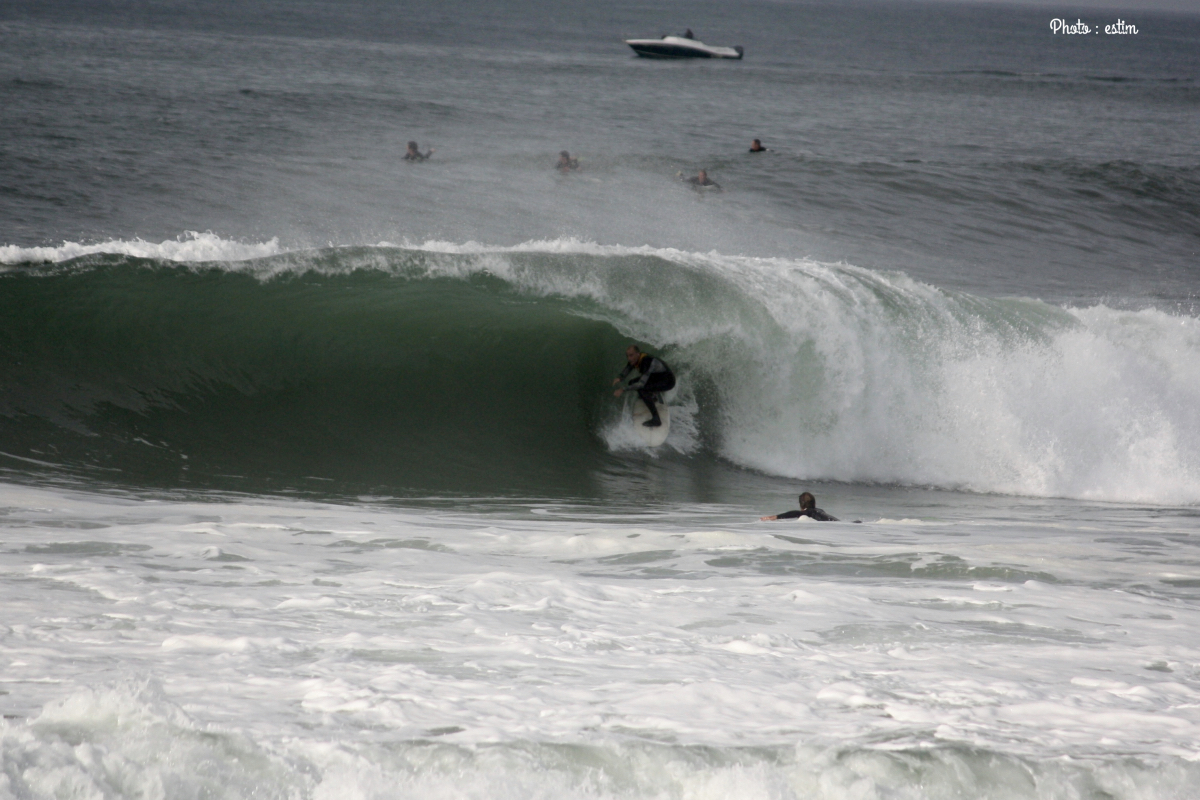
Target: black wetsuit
814	513
654	377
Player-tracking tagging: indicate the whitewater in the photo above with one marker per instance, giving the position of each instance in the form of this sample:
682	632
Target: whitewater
174	646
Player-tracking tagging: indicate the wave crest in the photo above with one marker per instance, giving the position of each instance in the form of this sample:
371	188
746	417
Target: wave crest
192	246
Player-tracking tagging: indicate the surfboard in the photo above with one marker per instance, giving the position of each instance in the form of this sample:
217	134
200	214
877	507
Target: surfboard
653	437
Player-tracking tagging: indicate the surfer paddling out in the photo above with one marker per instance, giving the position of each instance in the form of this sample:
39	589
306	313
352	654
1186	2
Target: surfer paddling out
654	376
808	508
414	153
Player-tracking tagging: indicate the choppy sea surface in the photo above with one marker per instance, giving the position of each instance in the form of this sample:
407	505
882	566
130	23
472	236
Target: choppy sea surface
311	480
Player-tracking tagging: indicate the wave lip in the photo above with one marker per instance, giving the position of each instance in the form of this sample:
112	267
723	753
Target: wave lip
192	246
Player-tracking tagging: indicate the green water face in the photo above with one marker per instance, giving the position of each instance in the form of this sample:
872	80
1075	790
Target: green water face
175	376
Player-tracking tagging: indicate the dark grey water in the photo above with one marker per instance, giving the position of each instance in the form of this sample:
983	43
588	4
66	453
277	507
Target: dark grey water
969	147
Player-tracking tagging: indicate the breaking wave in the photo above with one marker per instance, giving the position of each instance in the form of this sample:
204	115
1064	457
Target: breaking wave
468	368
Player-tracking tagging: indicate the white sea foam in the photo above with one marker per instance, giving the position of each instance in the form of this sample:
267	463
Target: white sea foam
380	652
190	247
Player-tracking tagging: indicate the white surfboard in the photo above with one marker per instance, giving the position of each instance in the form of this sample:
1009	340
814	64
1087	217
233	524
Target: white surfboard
653	437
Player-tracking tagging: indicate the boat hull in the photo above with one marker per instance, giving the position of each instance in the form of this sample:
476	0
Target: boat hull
679	47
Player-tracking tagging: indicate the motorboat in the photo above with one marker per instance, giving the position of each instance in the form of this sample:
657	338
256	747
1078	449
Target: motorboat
680	47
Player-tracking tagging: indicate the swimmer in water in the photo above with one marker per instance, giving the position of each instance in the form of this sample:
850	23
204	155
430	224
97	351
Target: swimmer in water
566	163
414	153
757	147
808	508
702	181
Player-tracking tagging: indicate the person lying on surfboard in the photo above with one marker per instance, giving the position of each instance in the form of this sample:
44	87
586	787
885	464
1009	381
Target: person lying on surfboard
566	163
654	376
808	508
414	153
701	181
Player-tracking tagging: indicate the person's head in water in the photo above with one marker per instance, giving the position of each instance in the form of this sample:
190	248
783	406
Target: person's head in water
756	146
633	355
807	501
412	148
702	176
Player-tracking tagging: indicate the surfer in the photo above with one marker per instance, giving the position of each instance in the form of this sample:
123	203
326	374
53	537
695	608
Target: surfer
757	147
808	508
566	163
414	153
654	376
702	181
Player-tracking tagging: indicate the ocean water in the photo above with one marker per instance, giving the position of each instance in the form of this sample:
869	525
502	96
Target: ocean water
312	484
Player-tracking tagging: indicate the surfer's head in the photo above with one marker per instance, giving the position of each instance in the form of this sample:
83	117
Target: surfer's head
633	355
807	501
412	146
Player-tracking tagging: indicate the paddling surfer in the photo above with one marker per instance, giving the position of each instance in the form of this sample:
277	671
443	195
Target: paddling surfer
654	376
566	163
702	181
414	153
808	508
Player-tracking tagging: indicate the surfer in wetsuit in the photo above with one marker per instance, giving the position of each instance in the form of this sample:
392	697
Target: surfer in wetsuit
654	376
808	508
757	147
414	153
566	163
